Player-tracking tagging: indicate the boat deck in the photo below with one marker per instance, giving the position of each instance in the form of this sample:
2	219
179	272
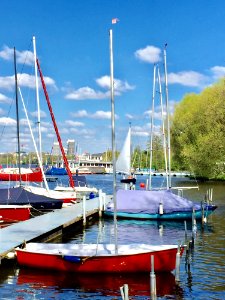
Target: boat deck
45	225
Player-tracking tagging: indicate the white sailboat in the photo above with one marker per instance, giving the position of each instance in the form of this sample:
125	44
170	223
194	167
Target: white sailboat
123	163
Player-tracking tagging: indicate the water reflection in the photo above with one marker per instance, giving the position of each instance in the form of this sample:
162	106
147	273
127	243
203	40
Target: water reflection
104	284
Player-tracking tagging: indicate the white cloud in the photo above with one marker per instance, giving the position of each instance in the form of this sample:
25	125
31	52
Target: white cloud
4	99
218	72
22	57
119	85
129	116
42	114
6	121
86	93
80	114
24	80
97	115
149	54
188	78
74	124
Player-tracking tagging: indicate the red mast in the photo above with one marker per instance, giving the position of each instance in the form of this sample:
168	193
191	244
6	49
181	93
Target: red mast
55	126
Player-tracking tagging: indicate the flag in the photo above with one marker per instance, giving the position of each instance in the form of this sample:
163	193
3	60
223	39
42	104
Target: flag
115	20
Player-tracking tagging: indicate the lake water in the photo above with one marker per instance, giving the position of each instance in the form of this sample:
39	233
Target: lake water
202	278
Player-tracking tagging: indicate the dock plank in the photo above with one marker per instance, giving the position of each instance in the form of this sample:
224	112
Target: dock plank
14	235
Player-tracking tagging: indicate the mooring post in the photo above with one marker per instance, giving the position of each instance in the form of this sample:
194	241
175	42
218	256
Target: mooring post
185	230
153	279
124	292
100	203
203	213
84	210
103	201
188	256
194	226
177	270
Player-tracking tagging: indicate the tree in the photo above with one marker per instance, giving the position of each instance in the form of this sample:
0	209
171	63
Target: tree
197	131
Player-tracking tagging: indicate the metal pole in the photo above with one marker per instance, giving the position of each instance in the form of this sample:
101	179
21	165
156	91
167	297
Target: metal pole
168	119
151	136
113	137
17	114
163	130
37	98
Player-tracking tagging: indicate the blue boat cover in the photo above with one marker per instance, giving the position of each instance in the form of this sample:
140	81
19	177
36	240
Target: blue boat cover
142	201
56	171
19	196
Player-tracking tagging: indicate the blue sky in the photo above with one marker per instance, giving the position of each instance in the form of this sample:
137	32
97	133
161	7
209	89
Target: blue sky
72	39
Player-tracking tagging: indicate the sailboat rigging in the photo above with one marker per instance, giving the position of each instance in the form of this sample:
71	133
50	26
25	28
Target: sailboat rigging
94	258
158	204
19	195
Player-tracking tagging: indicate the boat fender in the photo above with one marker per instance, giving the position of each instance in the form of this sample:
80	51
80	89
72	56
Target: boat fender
74	259
160	208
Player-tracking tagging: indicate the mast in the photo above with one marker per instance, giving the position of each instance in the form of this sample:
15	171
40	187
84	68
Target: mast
163	130
38	100
113	137
168	121
17	114
151	136
55	126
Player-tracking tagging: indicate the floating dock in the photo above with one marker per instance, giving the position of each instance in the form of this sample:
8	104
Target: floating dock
49	225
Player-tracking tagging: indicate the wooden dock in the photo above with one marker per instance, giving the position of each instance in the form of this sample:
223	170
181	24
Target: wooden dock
47	225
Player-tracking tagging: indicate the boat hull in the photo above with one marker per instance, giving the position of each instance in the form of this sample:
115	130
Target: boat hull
176	216
35	176
14	213
164	260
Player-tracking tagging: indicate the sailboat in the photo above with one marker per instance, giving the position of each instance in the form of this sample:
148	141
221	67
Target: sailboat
100	258
17	196
25	174
69	194
159	204
123	163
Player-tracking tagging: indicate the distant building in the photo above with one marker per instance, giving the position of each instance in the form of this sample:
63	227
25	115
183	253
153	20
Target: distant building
70	147
56	149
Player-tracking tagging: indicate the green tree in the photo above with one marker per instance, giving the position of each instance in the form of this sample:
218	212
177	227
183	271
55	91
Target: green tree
197	131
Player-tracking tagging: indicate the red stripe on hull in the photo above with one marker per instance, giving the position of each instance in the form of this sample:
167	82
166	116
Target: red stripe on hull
36	176
9	215
164	261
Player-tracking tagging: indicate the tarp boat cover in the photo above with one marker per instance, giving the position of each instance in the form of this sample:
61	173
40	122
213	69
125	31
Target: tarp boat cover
142	201
20	196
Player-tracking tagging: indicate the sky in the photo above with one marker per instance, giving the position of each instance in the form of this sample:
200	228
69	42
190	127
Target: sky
72	44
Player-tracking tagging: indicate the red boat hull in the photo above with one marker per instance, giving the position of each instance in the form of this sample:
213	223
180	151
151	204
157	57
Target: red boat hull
36	176
14	214
164	261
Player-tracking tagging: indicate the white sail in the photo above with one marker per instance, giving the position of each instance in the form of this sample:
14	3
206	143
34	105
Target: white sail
124	159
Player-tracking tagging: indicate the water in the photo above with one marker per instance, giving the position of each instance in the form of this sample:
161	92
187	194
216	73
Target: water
204	278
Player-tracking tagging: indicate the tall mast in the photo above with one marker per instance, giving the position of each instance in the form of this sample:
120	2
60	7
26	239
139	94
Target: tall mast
113	136
163	129
17	114
168	120
55	127
38	100
151	132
